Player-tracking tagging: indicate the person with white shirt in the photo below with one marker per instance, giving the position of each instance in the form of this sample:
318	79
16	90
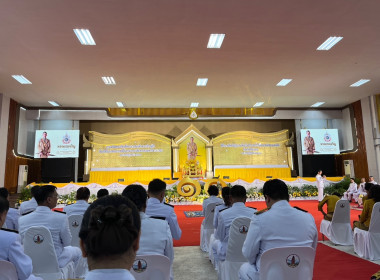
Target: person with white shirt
78	208
360	191
226	191
11	249
12	217
156	207
29	206
155	237
372	180
352	188
109	238
213	192
280	225
238	209
320	185
58	225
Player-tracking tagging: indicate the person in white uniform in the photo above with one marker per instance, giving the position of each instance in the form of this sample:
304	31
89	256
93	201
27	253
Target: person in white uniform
12	217
226	191
352	188
155	237
320	185
11	249
156	207
372	180
213	192
29	206
78	208
279	225
58	225
238	209
360	191
109	238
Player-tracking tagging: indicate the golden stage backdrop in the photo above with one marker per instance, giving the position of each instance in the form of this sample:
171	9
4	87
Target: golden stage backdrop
265	154
134	155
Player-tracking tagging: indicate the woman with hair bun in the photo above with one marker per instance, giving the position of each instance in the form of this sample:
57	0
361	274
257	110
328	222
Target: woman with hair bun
109	236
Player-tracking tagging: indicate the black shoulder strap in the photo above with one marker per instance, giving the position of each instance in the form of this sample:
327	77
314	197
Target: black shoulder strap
303	210
169	205
59	211
27	213
10	230
157	217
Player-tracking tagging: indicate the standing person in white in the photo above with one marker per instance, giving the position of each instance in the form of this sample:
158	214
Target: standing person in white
320	185
82	196
155	237
58	225
11	249
352	188
29	206
280	226
156	207
213	191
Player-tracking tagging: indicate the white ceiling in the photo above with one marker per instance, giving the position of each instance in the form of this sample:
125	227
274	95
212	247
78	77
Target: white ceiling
156	50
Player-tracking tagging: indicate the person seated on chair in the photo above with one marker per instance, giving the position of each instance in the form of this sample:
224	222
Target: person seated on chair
280	226
58	225
213	191
156	208
82	196
29	206
365	216
352	188
101	193
226	191
367	187
238	209
11	249
109	237
372	180
330	200
12	217
155	237
360	191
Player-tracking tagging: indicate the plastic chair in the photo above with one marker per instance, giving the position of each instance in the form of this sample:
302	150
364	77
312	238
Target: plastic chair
38	245
229	268
367	243
287	263
155	267
207	227
75	222
339	230
8	271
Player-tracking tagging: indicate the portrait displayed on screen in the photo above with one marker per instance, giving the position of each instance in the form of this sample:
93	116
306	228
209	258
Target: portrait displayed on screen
319	141
56	144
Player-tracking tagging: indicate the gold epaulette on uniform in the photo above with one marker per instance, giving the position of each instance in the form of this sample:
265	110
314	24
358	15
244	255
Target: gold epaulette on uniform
262	211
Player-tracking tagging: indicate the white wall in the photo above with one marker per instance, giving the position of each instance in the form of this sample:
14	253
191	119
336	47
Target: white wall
4	116
26	134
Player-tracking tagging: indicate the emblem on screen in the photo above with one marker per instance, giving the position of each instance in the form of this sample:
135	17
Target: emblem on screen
66	139
327	137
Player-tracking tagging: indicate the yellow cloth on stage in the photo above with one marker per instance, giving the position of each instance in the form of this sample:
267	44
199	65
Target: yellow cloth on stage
134	175
250	174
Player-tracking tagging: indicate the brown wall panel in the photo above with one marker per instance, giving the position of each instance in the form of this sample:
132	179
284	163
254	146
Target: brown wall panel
359	156
13	161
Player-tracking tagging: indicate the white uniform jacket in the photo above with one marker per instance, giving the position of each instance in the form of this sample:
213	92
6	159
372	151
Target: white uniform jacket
11	221
280	226
155	238
211	199
101	274
156	208
217	210
12	251
76	209
28	206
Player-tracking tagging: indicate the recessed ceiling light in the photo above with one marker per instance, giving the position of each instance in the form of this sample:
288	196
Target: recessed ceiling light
284	82
215	41
258	104
109	80
317	104
329	43
360	82
194	104
202	82
84	36
119	104
55	104
21	79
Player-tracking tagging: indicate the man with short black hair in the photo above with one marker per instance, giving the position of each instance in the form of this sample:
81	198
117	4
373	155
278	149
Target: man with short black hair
279	225
12	217
58	225
101	193
156	207
29	206
82	196
213	191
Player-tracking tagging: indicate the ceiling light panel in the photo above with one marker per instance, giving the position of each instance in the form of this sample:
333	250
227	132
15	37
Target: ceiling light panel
215	41
329	43
318	104
55	104
202	82
284	82
194	104
120	104
109	80
258	104
84	37
360	82
21	79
